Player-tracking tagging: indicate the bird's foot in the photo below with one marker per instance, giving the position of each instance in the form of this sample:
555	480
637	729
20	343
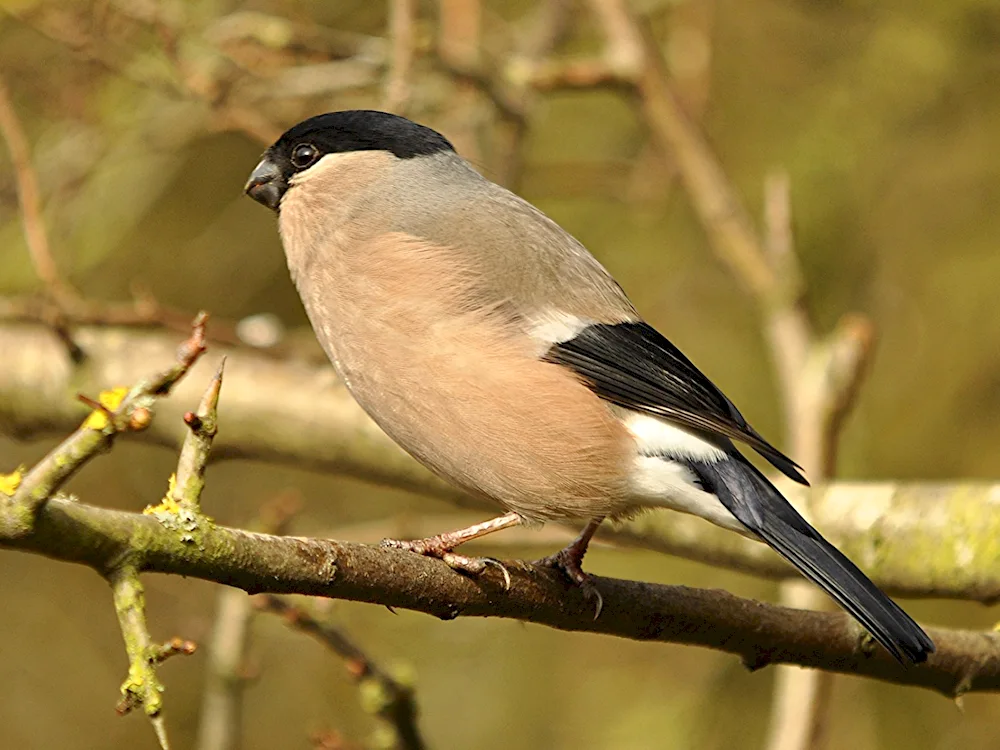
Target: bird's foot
442	548
569	560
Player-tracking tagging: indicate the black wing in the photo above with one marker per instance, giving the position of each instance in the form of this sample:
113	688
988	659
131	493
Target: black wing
634	366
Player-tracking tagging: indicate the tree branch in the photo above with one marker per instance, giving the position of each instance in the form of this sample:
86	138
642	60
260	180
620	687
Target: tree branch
759	633
142	687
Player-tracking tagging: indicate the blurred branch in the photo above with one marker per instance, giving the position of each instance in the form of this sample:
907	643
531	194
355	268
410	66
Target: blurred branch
29	198
815	381
914	539
541	31
788	327
760	634
220	725
206	85
143	312
384	695
63	306
221	721
402	20
819	381
458	46
722	214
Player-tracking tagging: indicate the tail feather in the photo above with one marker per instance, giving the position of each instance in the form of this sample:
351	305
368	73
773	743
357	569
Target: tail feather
756	503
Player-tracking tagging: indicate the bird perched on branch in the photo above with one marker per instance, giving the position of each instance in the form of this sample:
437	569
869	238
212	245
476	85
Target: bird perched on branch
494	348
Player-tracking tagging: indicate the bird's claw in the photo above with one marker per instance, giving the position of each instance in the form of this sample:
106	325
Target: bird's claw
565	561
472	566
475	566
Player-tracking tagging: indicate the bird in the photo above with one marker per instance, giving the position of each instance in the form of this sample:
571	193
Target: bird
493	347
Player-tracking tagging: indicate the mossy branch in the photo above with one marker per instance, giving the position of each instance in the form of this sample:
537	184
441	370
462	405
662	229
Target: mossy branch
759	633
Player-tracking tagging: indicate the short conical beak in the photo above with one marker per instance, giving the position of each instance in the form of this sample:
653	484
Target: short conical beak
266	185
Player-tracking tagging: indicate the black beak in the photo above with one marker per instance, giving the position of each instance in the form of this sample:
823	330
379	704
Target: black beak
266	185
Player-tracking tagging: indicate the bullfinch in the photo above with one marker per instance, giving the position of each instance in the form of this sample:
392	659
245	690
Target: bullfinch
494	348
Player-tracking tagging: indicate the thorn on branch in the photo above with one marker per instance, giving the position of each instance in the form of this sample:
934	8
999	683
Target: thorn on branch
76	353
114	410
100	405
193	461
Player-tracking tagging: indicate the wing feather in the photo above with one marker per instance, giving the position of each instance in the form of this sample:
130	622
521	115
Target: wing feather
636	367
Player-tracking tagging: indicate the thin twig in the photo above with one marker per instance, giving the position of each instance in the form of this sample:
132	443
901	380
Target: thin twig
29	197
390	699
142	312
142	687
181	513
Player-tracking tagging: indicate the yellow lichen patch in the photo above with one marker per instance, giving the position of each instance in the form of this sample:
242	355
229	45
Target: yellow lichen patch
110	400
168	504
134	681
10	482
176	516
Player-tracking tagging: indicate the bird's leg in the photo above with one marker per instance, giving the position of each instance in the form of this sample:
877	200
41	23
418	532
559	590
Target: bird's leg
570	560
442	545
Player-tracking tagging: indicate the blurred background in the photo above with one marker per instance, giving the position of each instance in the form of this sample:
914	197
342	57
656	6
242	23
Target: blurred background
145	118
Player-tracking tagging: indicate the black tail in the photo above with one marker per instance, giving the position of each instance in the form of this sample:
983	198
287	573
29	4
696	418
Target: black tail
749	496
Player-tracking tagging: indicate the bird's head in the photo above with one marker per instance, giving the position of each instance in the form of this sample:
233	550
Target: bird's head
305	146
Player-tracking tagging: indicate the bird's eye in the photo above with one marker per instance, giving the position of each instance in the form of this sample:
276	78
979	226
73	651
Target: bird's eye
304	154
